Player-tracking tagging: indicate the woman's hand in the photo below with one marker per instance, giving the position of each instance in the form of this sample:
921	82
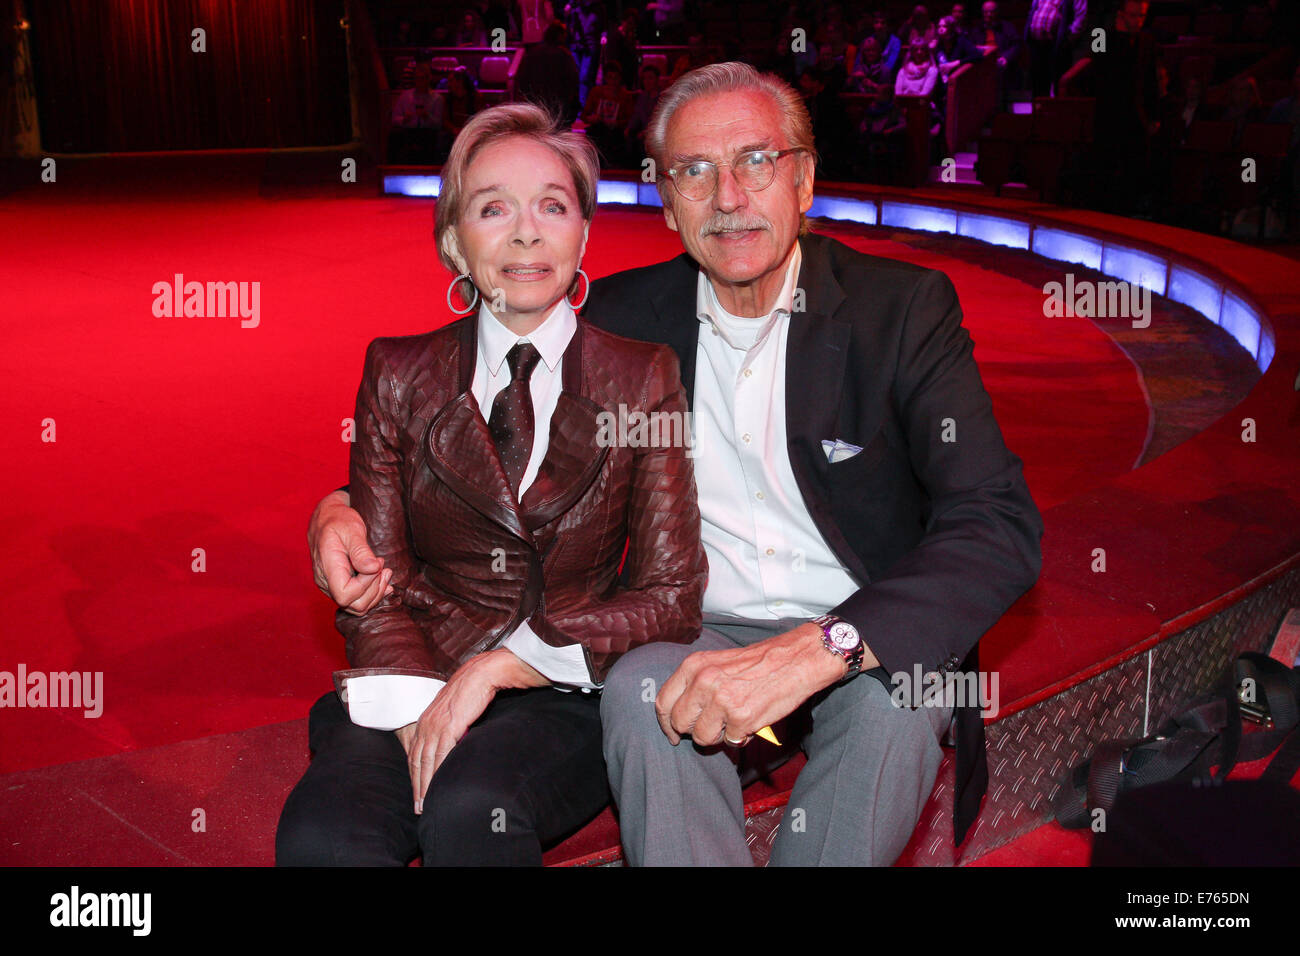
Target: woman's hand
461	702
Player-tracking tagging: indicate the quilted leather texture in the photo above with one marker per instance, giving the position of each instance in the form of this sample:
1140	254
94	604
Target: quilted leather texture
469	561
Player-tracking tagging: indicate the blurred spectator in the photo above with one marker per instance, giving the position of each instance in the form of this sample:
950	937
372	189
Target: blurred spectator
880	151
997	37
1182	112
842	50
1051	30
606	114
405	35
869	73
697	54
534	17
952	48
416	136
586	22
621	46
891	48
470	31
918	74
641	112
1126	85
548	75
669	17
496	15
965	25
1287	110
829	122
462	101
1244	106
834	74
917	27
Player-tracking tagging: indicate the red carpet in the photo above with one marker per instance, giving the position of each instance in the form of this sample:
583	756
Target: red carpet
182	433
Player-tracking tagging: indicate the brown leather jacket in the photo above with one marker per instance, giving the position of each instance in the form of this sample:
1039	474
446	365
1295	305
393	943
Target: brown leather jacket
469	562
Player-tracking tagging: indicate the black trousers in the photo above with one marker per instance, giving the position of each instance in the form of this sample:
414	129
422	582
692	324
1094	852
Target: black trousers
526	774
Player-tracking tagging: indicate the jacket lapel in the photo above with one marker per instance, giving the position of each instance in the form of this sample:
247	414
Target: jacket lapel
462	453
817	353
573	456
816	357
676	323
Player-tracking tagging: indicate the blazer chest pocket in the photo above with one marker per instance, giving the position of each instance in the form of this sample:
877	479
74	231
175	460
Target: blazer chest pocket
863	463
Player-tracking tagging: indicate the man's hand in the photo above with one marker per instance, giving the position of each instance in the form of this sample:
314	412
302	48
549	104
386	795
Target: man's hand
733	693
461	702
342	563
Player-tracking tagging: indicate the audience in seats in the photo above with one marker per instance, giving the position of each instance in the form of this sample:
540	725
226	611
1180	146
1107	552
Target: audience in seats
417	135
605	116
533	17
642	109
548	75
586	23
463	101
918	74
621	45
918	28
1052	29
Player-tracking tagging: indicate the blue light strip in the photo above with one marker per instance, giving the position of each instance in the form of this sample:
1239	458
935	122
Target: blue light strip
852	210
996	230
915	216
1181	284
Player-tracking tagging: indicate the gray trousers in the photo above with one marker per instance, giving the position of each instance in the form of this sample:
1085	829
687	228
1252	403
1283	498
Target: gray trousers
871	767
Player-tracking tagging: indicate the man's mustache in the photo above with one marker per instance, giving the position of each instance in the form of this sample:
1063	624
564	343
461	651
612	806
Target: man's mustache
732	223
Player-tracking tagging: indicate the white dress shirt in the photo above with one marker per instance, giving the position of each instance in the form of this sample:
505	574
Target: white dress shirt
562	665
767	559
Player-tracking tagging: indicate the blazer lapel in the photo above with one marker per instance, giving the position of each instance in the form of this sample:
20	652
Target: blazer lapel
816	357
461	451
678	325
573	456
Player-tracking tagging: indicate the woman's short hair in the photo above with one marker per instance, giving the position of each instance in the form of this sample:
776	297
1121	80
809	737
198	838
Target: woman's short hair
499	122
731	77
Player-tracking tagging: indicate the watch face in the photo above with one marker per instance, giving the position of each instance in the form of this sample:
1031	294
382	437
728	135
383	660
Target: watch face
844	636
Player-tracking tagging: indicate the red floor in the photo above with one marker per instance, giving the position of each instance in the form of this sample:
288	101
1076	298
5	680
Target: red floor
182	433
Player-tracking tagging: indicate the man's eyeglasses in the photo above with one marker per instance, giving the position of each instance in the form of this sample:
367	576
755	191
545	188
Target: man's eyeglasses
754	170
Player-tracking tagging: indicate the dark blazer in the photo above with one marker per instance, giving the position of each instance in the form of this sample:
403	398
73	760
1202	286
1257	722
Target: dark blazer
470	561
941	536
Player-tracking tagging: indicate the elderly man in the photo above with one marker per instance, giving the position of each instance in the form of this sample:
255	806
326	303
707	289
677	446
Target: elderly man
862	517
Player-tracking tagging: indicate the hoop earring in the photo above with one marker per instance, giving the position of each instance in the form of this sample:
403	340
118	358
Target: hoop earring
579	304
472	306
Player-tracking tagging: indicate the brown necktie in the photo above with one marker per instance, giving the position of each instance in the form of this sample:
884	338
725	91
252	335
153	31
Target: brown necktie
511	423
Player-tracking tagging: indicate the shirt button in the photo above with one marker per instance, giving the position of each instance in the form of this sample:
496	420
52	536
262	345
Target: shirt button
715	331
748	372
745	438
770	551
777	603
759	495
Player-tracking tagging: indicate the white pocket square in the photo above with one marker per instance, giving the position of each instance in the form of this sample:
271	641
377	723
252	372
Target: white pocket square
839	450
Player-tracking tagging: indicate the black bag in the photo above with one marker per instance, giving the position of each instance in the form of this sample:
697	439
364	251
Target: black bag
1162	803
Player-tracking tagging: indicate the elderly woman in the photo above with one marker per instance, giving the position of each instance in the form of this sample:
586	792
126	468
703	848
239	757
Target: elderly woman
501	498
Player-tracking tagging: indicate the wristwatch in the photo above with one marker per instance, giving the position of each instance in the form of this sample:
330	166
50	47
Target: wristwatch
842	639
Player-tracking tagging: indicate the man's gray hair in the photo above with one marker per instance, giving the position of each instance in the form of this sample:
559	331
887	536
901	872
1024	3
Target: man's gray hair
732	77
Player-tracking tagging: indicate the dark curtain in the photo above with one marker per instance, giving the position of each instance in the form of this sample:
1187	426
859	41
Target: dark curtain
119	75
